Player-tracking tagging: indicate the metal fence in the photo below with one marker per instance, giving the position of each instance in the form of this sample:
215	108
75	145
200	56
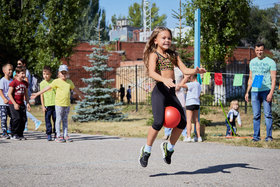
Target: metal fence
212	93
142	85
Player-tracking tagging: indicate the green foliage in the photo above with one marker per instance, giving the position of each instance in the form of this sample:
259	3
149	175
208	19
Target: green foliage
263	27
223	24
87	24
276	95
180	42
205	122
135	14
157	20
41	31
98	105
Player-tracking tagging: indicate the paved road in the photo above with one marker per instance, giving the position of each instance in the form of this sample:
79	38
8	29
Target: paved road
113	161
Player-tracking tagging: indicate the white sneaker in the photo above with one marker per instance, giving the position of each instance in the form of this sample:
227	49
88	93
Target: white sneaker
188	139
199	139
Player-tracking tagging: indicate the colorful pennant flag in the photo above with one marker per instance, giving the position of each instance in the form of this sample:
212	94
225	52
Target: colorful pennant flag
238	79
206	78
218	79
257	81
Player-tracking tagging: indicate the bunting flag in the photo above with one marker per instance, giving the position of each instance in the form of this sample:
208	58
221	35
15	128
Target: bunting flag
206	78
218	79
257	81
238	79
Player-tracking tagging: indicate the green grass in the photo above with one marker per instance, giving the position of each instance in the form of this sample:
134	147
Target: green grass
135	125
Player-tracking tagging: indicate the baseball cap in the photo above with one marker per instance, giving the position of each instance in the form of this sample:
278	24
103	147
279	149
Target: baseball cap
63	67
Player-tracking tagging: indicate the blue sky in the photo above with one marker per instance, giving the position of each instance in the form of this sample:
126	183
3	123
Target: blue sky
120	7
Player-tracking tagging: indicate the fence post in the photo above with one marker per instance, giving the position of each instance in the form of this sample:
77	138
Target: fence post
246	83
136	88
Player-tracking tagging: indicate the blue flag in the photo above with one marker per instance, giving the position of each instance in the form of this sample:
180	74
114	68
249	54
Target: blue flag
257	81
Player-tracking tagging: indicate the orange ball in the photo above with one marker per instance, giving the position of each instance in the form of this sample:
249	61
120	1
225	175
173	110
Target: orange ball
172	117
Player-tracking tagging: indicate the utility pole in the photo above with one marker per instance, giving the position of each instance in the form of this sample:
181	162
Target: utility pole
147	21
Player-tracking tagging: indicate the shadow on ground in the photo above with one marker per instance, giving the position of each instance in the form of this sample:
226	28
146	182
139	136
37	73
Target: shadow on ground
33	135
211	169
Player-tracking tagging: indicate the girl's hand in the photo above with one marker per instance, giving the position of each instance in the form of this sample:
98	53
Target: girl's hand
240	125
168	82
200	70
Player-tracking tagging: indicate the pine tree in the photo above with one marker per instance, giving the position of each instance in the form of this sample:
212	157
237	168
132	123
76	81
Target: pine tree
98	103
276	94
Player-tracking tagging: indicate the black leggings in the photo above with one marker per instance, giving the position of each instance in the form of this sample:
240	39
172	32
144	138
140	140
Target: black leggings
161	98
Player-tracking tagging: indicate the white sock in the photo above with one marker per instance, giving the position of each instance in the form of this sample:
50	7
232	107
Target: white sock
147	148
170	147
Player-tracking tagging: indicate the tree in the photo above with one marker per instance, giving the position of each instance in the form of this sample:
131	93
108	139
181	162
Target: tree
88	22
276	95
180	42
18	24
98	103
156	19
135	16
104	36
262	27
223	24
41	31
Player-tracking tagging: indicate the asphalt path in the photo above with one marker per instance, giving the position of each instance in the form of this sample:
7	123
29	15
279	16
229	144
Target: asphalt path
93	160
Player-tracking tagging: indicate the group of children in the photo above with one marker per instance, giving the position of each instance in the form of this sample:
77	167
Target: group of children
55	100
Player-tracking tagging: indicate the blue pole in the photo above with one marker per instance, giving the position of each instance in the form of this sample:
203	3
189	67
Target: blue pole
197	39
197	49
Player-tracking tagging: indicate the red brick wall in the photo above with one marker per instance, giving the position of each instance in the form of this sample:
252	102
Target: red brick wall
133	52
80	59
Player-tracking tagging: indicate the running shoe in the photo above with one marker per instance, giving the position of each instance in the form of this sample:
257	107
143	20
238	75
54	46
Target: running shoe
15	137
165	153
49	137
188	139
5	136
22	138
144	157
60	140
68	139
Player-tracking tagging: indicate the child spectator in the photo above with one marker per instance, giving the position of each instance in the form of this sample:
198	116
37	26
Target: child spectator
48	102
63	86
17	94
4	99
28	79
232	115
192	106
128	95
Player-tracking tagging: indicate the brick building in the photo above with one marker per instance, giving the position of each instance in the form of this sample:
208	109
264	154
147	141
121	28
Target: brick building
128	54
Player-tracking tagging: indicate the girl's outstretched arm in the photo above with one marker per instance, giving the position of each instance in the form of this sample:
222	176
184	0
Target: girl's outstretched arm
189	71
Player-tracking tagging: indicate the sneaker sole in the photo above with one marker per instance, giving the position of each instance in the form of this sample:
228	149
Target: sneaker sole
162	151
140	156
